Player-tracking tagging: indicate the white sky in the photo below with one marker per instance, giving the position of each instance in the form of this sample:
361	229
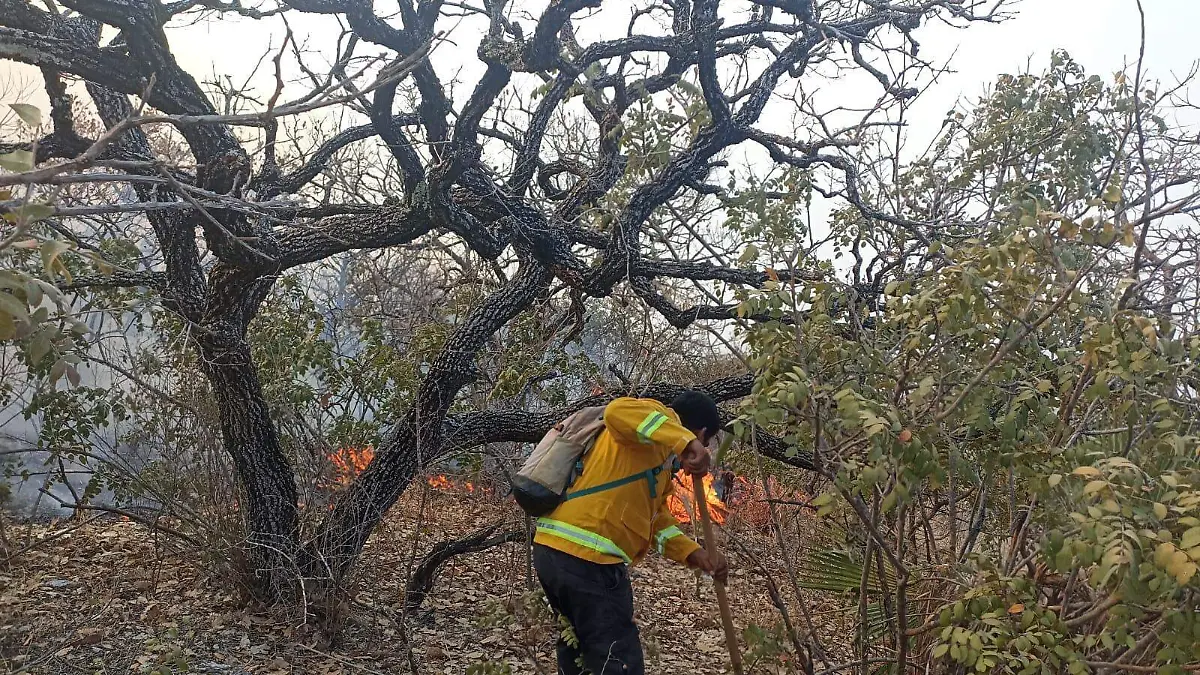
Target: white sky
1101	34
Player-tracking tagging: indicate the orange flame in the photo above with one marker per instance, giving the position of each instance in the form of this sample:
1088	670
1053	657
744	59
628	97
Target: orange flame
349	462
444	483
680	503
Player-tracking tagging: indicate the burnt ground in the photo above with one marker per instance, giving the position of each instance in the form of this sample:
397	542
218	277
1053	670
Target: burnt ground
109	596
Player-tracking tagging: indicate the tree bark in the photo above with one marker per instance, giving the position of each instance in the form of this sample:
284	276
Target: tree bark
268	488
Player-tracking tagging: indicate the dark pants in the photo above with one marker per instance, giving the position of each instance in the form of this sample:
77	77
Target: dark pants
598	601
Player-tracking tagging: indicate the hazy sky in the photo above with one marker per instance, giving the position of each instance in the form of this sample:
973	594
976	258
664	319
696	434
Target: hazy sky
1100	34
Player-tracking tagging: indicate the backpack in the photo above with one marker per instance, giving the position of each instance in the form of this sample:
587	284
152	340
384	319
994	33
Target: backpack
542	483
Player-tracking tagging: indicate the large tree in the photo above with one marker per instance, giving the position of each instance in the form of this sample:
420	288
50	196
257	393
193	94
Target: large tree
530	167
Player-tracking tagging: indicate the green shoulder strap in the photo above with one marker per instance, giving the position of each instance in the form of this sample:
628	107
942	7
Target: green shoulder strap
650	475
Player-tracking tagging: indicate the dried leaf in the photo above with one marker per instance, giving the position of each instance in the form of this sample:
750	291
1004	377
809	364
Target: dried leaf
91	636
51	249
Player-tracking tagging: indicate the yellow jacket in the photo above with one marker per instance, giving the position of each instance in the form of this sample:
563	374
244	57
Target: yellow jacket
620	524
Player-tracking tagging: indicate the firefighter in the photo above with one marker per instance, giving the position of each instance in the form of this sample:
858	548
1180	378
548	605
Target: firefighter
615	514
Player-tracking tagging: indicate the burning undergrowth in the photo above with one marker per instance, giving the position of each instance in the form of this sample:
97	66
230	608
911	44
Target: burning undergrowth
346	463
682	505
727	496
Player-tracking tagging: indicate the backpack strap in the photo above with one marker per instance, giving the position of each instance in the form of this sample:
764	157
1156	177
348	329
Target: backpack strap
650	475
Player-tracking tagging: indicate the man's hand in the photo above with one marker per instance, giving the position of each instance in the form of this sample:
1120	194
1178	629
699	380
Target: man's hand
695	458
712	564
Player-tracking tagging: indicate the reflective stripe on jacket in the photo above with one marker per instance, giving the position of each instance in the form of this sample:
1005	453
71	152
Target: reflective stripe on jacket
621	525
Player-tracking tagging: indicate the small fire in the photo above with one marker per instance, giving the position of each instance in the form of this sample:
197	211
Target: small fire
442	482
349	462
680	503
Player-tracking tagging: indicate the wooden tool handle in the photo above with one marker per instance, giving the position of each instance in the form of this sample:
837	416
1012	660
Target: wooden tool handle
710	544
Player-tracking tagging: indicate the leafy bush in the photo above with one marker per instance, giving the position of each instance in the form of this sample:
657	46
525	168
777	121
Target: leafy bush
1006	409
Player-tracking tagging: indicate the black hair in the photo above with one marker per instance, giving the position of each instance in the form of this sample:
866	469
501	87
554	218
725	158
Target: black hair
697	411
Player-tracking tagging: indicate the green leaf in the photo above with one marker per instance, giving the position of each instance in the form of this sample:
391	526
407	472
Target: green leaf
1054	479
11	306
749	254
17	160
57	370
8	327
34	292
1113	194
29	114
1160	510
39	347
31	213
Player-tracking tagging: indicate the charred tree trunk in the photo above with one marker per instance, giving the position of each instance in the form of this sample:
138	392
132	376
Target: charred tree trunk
268	488
269	498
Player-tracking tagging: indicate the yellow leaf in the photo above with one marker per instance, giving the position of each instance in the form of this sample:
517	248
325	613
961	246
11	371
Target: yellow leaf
1016	609
1163	553
1094	486
1151	335
1054	479
1086	471
1190	538
1160	510
1185	572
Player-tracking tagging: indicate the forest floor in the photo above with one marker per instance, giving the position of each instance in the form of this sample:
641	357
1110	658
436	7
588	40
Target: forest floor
109	597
